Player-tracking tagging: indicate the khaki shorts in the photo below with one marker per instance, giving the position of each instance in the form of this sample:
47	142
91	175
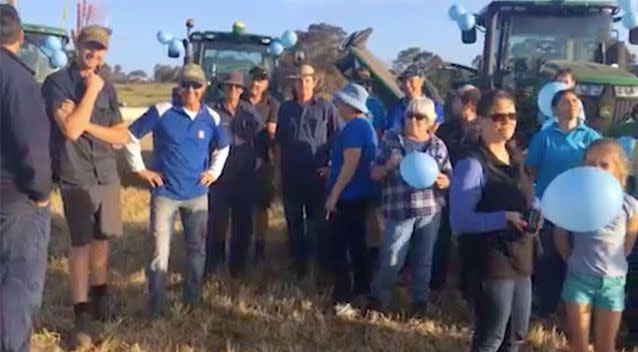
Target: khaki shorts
92	213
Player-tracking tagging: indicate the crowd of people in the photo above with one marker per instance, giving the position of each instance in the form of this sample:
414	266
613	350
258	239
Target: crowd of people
351	217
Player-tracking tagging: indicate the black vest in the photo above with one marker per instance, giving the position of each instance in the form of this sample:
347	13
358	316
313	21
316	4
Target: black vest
506	253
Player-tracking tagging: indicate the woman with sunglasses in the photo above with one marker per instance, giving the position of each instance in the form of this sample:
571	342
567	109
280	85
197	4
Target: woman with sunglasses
490	198
412	216
554	150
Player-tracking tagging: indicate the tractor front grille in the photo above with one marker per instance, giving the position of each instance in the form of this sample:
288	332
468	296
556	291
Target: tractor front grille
623	107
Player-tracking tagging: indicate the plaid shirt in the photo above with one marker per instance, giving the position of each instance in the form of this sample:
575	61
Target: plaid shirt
400	200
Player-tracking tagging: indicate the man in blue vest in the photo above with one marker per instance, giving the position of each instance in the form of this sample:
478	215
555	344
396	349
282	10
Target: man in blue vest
25	184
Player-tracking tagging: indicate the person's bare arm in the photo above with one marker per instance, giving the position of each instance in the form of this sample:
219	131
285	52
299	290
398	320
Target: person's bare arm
76	122
116	134
632	232
561	239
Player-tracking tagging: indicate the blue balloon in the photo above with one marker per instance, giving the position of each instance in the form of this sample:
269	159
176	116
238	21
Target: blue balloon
289	39
546	95
466	22
456	11
164	37
628	5
419	170
175	48
59	59
630	20
583	199
52	44
628	144
275	48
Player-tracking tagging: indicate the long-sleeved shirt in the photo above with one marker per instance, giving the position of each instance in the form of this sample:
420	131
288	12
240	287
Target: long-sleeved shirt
25	162
185	144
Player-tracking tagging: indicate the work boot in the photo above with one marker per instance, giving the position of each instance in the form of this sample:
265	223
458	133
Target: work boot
82	332
100	303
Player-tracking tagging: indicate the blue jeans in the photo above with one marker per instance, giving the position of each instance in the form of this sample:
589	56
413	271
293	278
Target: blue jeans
24	238
194	214
502	309
549	274
418	235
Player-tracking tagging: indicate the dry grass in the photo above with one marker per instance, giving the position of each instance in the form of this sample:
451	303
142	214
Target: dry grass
144	93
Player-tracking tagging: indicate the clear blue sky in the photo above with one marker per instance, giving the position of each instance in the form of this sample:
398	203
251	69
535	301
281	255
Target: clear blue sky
397	24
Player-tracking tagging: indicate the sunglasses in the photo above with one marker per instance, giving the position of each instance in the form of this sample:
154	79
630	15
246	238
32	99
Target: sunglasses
501	118
194	85
417	117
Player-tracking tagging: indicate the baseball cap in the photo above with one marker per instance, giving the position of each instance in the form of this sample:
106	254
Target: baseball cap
96	34
192	73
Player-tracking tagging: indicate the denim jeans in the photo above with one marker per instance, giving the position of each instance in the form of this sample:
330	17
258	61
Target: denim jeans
234	201
502	310
348	228
306	224
24	239
416	236
549	274
193	213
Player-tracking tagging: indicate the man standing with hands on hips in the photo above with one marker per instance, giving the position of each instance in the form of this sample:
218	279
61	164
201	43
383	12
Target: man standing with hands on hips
88	124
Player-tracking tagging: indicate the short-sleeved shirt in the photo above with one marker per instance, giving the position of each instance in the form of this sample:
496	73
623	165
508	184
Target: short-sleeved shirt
554	151
182	145
357	133
305	133
88	161
400	200
268	108
602	253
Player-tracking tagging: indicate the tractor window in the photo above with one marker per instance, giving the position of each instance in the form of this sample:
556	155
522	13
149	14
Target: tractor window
218	60
534	39
34	57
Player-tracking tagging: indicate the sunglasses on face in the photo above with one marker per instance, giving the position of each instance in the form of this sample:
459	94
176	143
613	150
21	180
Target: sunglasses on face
417	117
501	118
194	85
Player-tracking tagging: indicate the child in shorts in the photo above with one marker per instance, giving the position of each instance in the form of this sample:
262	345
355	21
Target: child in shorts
597	264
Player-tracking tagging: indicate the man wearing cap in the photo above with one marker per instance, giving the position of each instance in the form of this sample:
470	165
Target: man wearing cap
306	127
268	107
233	195
88	123
25	184
350	192
189	151
412	82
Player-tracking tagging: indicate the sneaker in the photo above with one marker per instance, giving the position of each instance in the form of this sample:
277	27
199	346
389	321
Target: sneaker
82	332
419	310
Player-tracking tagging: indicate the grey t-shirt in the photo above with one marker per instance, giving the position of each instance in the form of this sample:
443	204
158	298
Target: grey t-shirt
601	253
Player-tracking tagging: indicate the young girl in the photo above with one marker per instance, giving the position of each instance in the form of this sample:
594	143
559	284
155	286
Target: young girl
597	262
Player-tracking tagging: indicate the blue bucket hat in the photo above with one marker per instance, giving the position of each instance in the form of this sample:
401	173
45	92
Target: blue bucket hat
355	96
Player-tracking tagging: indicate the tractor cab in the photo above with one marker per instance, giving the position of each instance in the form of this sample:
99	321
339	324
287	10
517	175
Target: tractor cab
34	52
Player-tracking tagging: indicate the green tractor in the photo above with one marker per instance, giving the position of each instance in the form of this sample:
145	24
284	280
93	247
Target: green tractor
33	52
528	41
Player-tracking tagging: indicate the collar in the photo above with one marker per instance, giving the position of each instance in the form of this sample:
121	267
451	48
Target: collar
241	106
191	114
15	58
265	99
312	101
556	127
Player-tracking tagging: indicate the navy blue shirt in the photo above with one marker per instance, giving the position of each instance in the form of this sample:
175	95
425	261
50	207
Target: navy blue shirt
304	134
182	146
25	163
88	161
242	129
358	133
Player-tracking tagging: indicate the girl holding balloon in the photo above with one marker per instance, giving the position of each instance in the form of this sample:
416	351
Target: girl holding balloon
491	198
597	262
412	201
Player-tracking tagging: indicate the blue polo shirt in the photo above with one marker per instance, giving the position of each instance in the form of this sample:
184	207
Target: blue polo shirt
395	114
554	151
182	146
357	133
304	134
